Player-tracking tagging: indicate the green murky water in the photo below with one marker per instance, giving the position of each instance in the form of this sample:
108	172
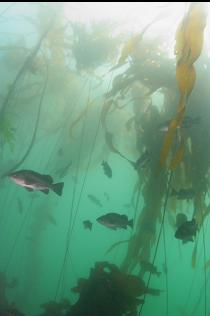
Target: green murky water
83	83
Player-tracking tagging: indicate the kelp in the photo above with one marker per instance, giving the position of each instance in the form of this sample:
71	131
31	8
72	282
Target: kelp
7	133
109	141
24	68
178	157
105	110
19	163
131	44
194	255
188	48
116	244
80	117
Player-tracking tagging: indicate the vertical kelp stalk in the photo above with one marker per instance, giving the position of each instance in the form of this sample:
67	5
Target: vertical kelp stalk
83	184
69	229
165	262
18	235
189	44
159	235
204	259
71	219
24	68
35	129
137	204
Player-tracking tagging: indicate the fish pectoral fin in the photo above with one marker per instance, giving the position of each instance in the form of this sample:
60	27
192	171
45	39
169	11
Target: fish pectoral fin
29	189
45	191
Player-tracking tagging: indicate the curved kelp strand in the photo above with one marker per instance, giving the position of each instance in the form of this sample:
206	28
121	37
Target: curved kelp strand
159	235
69	229
26	216
194	312
189	44
83	184
78	165
116	244
131	44
87	169
35	130
204	259
24	68
166	265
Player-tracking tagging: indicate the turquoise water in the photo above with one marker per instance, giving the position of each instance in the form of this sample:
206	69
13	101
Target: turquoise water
64	110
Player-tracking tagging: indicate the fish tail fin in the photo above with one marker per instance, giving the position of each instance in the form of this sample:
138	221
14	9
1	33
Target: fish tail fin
130	223
173	192
154	292
58	188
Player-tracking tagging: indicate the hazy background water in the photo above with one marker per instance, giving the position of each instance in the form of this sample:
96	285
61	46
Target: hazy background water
34	242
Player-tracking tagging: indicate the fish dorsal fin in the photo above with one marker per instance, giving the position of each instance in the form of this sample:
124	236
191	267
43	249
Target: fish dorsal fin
47	178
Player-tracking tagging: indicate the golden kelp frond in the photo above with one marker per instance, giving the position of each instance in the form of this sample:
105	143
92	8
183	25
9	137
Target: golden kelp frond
189	36
177	158
194	31
167	145
168	140
189	42
185	76
180	46
128	48
116	244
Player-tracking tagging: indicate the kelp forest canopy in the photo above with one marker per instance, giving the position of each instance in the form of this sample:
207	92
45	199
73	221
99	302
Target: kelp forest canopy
74	95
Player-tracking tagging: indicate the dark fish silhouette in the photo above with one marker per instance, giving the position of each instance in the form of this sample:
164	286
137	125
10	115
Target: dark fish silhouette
87	224
94	200
32	180
187	231
115	220
107	169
